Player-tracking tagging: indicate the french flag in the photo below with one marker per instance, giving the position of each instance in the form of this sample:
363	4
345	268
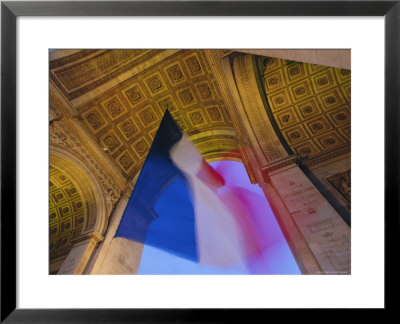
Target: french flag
181	205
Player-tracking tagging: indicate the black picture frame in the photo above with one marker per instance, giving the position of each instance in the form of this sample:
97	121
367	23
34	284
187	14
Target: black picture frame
11	10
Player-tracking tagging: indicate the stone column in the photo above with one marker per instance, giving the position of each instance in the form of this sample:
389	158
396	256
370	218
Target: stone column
310	222
117	255
78	257
302	253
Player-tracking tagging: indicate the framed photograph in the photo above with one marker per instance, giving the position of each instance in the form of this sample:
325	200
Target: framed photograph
196	159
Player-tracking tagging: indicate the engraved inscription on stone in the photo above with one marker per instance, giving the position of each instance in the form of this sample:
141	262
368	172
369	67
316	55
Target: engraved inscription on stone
337	249
322	225
297	197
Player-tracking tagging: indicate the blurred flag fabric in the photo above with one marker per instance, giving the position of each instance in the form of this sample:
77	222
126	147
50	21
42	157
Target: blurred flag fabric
179	205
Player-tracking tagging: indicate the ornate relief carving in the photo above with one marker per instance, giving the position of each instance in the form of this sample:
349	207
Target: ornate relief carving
330	140
187	97
95	120
76	147
126	161
294	71
196	118
206	146
114	107
147	116
111	200
155	84
319	157
167	103
141	147
308	108
111	142
204	91
97	237
135	95
175	74
225	86
214	114
57	137
276	165
287	118
266	137
76	78
181	124
319	125
194	66
301	90
342	183
128	128
75	75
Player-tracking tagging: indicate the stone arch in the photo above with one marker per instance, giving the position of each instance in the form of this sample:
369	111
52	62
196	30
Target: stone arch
87	184
67	214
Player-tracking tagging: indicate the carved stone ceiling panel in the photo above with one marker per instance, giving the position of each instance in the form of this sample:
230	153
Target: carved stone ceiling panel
123	119
311	104
85	70
67	212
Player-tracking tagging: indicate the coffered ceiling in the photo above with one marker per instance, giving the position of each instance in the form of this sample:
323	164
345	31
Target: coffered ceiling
310	104
67	213
120	96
